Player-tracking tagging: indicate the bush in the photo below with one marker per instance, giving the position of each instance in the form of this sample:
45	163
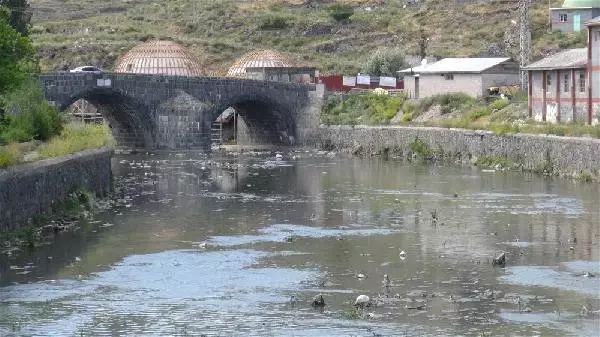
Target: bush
361	109
478	112
449	102
385	62
499	104
28	115
340	12
10	155
273	21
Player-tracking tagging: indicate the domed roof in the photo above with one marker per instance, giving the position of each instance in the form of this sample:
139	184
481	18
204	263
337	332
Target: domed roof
581	3
159	58
258	59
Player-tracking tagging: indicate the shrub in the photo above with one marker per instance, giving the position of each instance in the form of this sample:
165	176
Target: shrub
499	104
385	62
361	108
421	148
274	21
478	112
28	115
341	12
9	155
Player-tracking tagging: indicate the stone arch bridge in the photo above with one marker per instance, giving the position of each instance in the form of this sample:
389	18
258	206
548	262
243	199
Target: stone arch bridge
173	112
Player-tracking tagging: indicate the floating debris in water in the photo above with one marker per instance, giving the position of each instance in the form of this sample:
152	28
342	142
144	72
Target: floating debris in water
318	301
500	260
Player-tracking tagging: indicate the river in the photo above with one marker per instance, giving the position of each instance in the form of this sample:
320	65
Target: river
193	246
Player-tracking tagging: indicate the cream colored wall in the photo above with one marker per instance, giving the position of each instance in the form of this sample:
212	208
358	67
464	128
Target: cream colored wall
433	84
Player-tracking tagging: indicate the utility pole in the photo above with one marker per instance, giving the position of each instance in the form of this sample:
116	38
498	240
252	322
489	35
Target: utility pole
524	39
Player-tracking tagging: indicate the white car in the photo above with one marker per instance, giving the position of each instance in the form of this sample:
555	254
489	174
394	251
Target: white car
87	69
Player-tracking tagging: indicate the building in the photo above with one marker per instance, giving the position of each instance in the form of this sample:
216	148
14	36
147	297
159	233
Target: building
159	57
472	76
270	65
573	14
565	87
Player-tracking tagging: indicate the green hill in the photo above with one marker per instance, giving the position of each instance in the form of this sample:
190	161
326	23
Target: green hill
68	33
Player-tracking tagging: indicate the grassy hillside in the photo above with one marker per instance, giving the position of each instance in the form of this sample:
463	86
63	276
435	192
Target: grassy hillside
74	32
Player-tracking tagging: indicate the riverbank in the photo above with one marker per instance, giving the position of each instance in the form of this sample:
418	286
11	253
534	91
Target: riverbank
575	157
30	190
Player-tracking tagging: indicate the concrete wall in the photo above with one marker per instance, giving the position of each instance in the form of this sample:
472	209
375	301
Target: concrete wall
585	14
433	84
568	155
554	96
30	189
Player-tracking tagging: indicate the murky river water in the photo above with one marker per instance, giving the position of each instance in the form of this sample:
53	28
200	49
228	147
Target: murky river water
219	247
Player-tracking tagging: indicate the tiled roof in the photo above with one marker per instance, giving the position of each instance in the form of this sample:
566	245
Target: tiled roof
258	59
594	22
568	59
458	65
158	57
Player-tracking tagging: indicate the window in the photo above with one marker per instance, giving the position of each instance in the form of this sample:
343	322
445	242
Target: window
563	17
548	80
449	77
582	82
566	83
597	35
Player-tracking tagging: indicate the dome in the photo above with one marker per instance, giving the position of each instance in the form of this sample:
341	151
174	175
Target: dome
159	58
581	3
258	59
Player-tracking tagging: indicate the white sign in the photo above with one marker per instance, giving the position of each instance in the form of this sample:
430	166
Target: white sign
348	81
103	82
362	79
387	82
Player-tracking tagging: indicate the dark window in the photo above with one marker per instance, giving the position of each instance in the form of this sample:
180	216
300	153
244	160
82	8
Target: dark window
548	80
566	83
563	17
582	82
449	77
597	36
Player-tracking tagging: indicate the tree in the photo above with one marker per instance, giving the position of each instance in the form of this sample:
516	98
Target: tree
385	62
17	59
19	15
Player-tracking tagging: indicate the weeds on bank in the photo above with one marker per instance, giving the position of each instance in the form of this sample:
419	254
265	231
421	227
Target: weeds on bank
77	205
501	163
77	137
10	155
359	108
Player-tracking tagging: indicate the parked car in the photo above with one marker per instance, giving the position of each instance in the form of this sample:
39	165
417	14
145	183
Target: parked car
87	69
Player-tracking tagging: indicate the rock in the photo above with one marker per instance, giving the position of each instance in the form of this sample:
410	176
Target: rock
362	301
318	301
361	276
500	260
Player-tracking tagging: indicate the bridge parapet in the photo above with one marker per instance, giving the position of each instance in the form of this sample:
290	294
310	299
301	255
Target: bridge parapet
151	110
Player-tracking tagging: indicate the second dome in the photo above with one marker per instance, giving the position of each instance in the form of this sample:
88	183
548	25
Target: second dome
259	59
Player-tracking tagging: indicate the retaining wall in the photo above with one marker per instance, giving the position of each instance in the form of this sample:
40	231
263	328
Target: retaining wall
568	156
30	189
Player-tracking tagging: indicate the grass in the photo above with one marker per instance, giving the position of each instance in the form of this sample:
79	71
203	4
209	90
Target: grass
73	138
10	155
501	163
220	31
359	108
77	137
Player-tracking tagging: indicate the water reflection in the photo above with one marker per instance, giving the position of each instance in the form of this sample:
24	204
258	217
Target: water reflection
218	245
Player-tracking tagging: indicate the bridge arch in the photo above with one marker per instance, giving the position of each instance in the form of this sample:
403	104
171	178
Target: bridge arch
261	119
129	120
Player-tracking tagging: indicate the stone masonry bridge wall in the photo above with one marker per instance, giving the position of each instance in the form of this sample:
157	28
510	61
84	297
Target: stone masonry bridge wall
567	156
176	112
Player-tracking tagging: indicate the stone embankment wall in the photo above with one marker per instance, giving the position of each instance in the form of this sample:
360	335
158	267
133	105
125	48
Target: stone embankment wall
30	189
566	156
